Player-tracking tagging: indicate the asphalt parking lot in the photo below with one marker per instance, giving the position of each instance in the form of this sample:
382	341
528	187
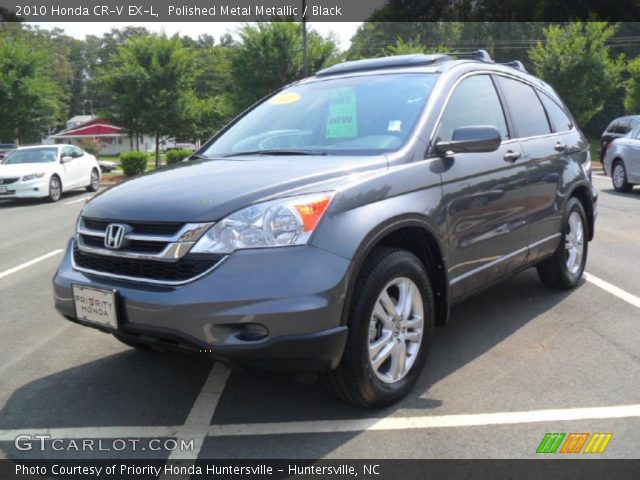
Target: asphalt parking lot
514	363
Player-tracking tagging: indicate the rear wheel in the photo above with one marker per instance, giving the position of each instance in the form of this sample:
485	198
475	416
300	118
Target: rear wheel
390	328
565	267
55	189
94	182
619	178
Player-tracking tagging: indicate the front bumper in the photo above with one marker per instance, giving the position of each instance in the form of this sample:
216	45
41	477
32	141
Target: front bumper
297	293
32	189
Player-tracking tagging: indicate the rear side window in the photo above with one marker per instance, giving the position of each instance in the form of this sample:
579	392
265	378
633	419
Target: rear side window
526	110
474	102
77	153
560	121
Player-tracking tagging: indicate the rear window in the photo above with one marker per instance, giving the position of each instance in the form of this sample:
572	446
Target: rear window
622	126
527	113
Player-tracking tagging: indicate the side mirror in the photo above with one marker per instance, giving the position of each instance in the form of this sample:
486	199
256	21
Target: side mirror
479	139
65	159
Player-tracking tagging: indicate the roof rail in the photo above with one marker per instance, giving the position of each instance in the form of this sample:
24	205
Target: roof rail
396	61
517	64
480	55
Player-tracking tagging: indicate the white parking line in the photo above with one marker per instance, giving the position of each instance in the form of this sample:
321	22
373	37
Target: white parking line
327	426
196	425
22	266
613	290
78	200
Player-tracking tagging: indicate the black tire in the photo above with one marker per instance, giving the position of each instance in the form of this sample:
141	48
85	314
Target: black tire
554	272
55	188
619	181
95	181
130	343
355	380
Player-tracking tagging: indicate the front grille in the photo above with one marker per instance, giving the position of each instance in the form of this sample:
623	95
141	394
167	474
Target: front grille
184	269
7	181
139	228
135	246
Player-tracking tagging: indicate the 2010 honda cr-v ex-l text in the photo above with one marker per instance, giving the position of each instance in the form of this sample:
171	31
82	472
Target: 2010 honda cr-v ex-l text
330	227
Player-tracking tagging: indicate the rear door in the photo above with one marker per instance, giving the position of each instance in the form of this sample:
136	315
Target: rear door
632	156
484	193
547	151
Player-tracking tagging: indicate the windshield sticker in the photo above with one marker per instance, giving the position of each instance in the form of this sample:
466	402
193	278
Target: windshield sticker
394	126
285	98
342	120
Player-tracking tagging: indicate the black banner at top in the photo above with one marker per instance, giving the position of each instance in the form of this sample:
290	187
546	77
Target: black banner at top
318	10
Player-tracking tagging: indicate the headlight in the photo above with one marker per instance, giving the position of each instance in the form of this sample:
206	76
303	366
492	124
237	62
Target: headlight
33	176
278	223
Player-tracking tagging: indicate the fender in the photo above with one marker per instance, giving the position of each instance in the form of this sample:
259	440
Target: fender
373	238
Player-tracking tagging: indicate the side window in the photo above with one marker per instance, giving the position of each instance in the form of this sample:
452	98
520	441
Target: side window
559	119
66	152
475	102
77	152
623	126
636	134
528	116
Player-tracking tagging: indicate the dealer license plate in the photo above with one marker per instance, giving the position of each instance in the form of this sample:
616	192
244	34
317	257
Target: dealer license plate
95	305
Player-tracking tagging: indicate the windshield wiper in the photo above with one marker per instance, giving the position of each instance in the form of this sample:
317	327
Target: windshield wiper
276	152
198	156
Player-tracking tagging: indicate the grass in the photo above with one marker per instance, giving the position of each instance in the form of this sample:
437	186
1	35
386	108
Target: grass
151	163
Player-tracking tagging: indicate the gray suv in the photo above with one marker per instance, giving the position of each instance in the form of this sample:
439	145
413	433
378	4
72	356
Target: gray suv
330	227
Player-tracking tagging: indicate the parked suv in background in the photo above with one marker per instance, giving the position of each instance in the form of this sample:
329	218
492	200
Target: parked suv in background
618	128
334	224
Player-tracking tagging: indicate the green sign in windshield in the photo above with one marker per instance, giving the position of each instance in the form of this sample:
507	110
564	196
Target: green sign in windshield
342	120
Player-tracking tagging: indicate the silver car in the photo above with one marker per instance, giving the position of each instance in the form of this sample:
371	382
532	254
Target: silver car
622	161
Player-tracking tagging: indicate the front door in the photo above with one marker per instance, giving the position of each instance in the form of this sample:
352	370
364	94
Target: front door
485	194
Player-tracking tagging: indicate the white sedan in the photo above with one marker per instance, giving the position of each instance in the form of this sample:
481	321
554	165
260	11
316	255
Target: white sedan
47	171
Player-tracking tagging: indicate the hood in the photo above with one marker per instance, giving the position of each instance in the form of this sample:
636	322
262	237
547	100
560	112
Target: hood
20	169
205	191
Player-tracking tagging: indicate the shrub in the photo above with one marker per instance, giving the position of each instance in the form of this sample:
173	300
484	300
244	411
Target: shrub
177	155
133	163
90	145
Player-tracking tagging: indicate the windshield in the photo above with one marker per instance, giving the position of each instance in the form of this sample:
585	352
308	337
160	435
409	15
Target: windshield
363	115
32	155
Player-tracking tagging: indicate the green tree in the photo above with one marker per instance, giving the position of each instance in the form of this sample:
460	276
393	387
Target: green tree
576	61
632	87
150	86
31	101
270	55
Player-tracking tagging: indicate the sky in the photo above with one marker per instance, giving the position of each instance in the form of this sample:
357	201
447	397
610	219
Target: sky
343	30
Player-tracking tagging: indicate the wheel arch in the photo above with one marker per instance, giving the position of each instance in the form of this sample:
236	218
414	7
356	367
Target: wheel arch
583	194
418	237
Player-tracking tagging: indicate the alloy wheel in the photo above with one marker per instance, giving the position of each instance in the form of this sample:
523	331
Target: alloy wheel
574	243
396	329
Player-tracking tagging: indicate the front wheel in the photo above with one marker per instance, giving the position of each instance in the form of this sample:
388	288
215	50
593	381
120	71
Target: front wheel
390	328
55	189
565	267
619	178
94	183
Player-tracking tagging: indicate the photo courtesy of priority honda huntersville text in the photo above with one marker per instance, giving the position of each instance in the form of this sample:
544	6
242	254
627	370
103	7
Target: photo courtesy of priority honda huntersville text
330	227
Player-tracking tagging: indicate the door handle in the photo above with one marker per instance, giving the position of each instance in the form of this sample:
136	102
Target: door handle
560	147
511	156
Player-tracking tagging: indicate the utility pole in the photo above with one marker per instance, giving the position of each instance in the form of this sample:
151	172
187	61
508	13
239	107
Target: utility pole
305	60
